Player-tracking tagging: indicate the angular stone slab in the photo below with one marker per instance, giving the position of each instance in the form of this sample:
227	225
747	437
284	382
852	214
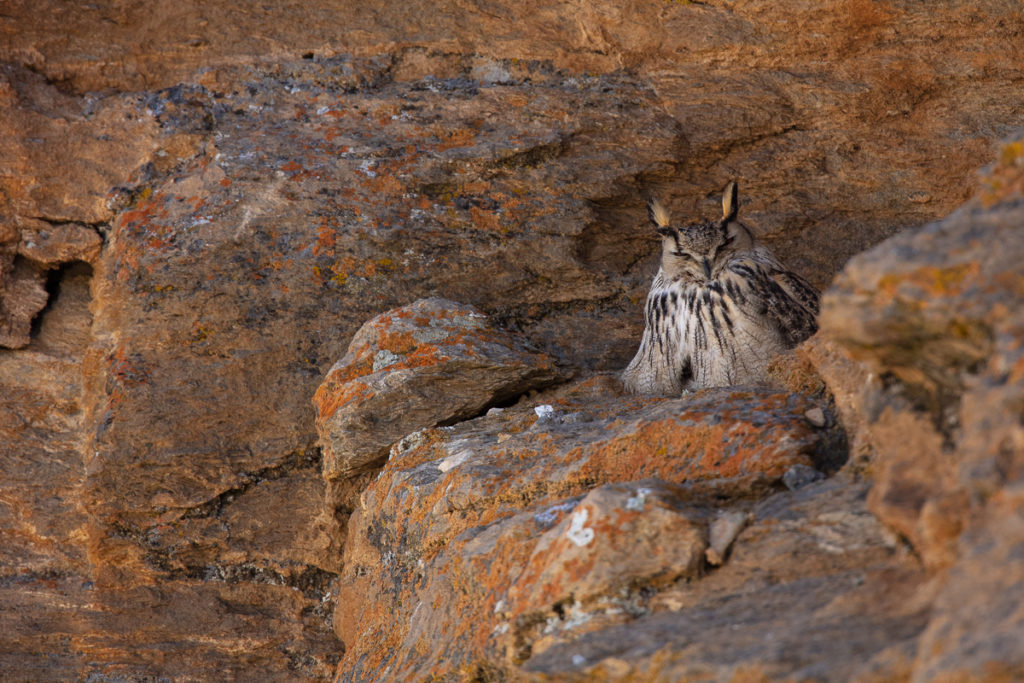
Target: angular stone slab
53	245
431	363
611	539
496	538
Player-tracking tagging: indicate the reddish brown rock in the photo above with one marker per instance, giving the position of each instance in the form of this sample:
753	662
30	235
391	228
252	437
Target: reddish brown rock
266	183
22	296
934	315
606	543
849	383
53	245
23	271
835	615
430	363
533	594
974	632
61	158
46	586
474	537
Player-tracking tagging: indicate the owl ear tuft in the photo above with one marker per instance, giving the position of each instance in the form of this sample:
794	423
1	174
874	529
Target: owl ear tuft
658	215
730	202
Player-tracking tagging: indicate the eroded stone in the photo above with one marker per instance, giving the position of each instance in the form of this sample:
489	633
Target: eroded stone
505	535
430	363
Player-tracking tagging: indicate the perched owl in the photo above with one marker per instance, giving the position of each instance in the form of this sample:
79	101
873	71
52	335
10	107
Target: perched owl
720	307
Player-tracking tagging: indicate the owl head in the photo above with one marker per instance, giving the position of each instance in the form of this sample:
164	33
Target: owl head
698	252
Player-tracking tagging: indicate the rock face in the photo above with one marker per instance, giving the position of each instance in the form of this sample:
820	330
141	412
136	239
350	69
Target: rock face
495	549
935	314
485	543
196	220
430	363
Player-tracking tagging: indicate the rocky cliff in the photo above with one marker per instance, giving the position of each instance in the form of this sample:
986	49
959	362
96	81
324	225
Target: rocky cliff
201	204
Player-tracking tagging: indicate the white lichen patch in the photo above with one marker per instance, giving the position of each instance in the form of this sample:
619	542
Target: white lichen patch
430	335
469	321
545	412
408	443
549	516
637	502
573	616
579	534
383	359
455	459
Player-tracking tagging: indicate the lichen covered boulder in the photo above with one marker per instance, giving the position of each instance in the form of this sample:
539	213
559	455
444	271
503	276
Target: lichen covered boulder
484	543
934	314
430	363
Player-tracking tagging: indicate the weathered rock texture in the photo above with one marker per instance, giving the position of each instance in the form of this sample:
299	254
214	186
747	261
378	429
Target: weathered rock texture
483	544
430	363
568	542
201	203
935	314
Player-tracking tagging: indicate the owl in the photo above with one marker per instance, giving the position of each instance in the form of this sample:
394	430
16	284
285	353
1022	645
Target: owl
719	308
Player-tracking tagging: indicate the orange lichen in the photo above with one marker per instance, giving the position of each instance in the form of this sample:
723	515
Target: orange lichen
340	388
949	281
1006	179
460	137
486	220
410	352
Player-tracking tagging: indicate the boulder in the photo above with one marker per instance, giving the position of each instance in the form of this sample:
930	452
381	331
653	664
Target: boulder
814	589
486	542
934	315
430	363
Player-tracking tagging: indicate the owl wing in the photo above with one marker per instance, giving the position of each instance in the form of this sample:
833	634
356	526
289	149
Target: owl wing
792	303
799	288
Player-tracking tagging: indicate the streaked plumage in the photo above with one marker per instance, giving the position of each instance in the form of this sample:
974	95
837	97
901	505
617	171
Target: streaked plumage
720	307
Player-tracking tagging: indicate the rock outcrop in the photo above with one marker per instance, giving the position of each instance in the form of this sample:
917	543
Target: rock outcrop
483	544
200	205
430	363
569	539
935	314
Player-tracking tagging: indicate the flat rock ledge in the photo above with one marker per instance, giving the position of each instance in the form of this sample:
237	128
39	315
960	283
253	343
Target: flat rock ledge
431	363
483	544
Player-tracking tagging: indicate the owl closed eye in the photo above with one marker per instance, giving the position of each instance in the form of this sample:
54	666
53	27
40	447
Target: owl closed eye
700	251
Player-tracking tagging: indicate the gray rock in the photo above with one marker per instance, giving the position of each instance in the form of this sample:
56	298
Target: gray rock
799	476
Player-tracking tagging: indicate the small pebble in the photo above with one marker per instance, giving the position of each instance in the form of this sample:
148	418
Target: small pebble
491	412
545	413
723	531
816	416
799	476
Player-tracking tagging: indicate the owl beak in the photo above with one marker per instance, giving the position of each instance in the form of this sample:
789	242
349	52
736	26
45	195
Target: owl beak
707	269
